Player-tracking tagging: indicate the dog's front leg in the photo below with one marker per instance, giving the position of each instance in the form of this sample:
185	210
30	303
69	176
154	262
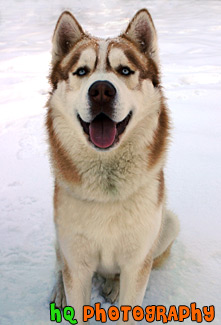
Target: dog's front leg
77	284
133	283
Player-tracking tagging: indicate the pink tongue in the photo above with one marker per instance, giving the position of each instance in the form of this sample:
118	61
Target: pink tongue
102	131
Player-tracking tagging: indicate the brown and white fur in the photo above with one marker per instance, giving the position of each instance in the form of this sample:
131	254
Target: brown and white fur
109	203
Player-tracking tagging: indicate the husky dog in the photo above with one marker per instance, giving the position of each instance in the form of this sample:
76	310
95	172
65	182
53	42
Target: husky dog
108	131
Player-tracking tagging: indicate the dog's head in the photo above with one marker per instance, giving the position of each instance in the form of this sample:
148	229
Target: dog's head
105	86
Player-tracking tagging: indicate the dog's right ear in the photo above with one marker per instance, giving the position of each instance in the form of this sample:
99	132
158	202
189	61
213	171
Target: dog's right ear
67	32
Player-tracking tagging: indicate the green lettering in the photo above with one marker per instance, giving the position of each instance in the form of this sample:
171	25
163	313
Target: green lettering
69	315
55	314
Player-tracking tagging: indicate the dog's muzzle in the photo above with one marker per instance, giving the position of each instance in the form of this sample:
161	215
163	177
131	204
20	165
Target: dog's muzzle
103	131
101	96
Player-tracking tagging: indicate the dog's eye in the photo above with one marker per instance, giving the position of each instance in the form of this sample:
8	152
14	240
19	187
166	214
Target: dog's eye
125	71
80	72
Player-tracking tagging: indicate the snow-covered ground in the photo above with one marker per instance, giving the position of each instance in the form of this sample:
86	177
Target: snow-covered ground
190	46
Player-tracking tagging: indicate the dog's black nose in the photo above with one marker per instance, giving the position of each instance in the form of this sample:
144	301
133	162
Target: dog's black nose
101	92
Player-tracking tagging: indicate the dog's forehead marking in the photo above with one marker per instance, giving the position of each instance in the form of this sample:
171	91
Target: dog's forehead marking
117	57
67	58
79	50
102	54
87	57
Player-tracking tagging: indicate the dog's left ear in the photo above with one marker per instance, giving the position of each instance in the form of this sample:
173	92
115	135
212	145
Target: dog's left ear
142	33
67	32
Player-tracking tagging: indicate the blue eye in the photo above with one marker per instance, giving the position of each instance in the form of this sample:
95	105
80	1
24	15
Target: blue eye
81	72
125	71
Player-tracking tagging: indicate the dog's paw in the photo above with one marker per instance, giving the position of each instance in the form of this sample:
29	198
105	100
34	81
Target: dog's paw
58	294
111	289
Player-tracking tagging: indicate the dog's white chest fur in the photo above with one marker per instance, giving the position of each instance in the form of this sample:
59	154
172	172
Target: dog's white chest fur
108	233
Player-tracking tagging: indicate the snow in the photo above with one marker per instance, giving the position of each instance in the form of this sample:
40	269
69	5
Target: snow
190	46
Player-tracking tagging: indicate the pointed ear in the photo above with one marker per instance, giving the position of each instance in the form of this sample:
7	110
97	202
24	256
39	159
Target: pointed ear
142	33
67	32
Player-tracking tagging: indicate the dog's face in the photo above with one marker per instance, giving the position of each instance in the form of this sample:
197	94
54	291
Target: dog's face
105	86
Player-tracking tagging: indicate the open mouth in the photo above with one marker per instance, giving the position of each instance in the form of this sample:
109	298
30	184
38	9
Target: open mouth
104	132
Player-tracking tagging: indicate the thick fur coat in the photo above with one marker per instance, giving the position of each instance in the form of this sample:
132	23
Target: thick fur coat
108	131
